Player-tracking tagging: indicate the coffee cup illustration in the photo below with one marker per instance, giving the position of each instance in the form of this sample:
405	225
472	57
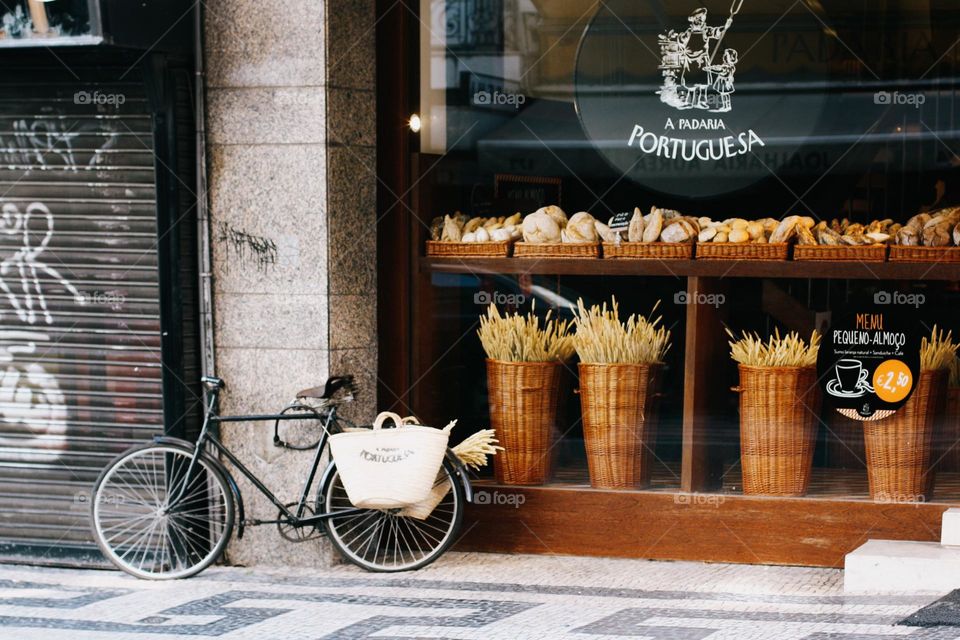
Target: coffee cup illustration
851	379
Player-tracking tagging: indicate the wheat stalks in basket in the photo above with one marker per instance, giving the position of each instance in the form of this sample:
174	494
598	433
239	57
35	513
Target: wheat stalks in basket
939	352
521	338
779	351
601	337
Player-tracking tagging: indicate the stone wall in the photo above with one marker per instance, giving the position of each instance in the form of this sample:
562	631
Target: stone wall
291	128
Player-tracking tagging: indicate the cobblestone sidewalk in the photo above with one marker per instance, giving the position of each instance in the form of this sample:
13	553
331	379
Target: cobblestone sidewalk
463	596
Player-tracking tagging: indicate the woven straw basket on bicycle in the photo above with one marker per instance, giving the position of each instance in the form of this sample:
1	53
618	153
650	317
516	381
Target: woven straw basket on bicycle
389	468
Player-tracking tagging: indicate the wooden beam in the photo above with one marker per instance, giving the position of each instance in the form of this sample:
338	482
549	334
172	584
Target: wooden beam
704	355
878	272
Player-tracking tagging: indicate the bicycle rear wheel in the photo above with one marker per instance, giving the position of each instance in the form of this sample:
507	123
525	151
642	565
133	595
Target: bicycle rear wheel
387	540
153	520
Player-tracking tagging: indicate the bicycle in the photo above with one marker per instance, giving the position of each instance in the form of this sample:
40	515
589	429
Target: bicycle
166	509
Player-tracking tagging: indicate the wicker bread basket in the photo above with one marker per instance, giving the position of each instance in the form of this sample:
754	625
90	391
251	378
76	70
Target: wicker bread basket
778	428
441	249
523	398
840	253
648	250
618	427
899	448
743	251
556	250
903	253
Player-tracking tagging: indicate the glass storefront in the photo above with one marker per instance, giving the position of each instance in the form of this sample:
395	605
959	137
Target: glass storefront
839	111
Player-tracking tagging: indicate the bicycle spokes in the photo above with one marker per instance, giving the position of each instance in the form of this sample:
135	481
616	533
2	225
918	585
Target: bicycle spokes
156	515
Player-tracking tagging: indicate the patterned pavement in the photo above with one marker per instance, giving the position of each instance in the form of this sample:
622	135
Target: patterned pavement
463	597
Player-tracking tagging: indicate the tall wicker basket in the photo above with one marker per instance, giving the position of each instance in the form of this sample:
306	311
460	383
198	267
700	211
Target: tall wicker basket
778	428
619	428
523	412
899	448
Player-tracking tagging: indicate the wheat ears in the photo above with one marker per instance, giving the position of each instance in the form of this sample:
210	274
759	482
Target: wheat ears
939	352
602	339
786	351
520	338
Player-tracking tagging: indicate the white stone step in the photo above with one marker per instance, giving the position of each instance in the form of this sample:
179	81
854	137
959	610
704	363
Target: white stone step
902	566
950	529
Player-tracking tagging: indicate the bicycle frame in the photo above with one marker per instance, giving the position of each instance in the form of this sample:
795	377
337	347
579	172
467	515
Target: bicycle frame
292	518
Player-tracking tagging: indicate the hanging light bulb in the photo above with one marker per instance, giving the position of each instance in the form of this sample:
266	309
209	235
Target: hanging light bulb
415	123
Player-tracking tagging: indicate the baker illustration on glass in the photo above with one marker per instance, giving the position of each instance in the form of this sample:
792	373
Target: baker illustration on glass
851	380
693	77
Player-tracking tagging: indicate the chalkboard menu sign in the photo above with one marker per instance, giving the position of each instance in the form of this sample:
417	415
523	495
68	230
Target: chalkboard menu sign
869	362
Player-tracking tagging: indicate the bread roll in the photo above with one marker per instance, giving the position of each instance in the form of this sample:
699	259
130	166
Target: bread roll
653	226
540	228
635	231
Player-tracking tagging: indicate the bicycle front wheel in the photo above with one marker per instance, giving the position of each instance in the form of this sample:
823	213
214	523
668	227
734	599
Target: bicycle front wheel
390	540
156	516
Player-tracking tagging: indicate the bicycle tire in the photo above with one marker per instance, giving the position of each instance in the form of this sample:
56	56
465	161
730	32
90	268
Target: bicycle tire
332	496
128	511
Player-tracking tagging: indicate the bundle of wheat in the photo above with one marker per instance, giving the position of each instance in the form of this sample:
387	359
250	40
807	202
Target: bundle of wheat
521	338
939	352
474	450
779	351
601	337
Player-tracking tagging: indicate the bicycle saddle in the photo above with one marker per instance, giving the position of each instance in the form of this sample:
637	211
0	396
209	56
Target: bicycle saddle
326	391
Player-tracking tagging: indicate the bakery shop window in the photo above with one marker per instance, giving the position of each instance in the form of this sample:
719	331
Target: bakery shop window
659	156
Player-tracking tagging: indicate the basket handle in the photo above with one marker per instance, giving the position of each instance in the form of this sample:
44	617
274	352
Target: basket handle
382	417
736	389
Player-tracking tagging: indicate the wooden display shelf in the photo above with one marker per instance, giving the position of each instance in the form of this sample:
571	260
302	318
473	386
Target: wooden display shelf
673	525
698	268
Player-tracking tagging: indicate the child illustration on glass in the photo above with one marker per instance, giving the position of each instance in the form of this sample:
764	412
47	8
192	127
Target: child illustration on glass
691	80
721	81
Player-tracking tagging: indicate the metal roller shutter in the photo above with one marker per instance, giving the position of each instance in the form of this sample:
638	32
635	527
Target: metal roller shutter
81	377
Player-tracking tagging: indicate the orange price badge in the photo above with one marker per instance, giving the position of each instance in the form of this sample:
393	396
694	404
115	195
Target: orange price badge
892	380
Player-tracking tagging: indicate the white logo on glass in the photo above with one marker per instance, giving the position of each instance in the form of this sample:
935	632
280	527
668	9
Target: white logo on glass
694	75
